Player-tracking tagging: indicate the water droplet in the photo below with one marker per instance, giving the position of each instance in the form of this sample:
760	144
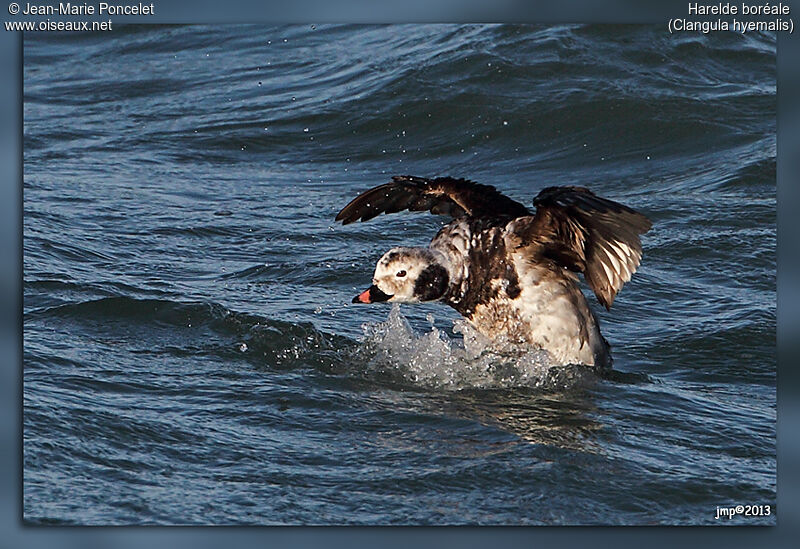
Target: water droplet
305	130
648	157
259	83
243	347
505	122
294	98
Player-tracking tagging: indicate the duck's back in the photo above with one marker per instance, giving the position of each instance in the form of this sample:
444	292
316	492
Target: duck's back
508	297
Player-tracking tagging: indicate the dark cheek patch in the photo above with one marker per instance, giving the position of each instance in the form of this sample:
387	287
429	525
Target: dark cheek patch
431	283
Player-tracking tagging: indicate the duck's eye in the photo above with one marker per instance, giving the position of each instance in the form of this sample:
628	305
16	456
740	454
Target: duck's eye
401	274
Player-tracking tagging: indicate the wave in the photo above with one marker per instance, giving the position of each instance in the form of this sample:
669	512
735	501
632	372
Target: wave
166	327
429	90
391	352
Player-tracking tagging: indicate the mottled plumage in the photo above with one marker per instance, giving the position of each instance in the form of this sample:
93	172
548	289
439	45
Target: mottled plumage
508	271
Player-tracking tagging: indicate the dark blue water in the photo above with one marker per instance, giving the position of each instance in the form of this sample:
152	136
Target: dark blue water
191	355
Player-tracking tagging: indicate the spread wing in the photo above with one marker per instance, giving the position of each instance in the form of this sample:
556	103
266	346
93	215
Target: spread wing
586	233
442	195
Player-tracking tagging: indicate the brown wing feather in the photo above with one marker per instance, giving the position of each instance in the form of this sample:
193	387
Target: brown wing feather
442	195
586	233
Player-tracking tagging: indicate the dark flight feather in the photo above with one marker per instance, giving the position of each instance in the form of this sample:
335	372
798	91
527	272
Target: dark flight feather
443	195
585	233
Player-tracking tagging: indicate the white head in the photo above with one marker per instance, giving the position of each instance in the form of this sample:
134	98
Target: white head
407	275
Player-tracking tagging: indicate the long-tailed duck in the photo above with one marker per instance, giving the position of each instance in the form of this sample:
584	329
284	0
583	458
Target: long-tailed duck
511	273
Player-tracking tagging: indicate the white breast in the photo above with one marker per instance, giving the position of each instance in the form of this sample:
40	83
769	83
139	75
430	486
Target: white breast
556	314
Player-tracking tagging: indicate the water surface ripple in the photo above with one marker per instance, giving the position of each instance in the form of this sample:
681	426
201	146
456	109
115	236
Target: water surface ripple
191	355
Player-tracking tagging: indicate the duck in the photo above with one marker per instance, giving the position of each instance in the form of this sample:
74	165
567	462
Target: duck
512	273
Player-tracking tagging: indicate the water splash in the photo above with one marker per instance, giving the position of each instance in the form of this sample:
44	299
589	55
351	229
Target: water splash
394	351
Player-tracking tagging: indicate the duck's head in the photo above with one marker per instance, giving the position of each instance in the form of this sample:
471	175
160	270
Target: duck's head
407	275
